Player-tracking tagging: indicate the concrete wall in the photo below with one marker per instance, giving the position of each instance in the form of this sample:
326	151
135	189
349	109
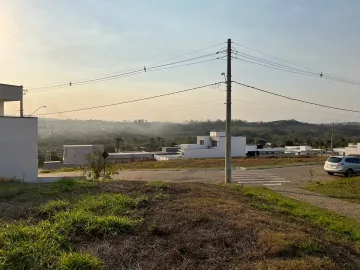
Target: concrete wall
18	148
77	154
352	150
206	139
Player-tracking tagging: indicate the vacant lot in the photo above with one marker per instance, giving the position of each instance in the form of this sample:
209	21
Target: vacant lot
217	163
342	188
211	163
156	225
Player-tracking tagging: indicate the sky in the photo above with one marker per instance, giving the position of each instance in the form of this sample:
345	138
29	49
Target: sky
54	42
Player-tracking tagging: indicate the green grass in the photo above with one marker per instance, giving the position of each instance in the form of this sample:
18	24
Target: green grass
77	261
48	243
347	189
158	184
9	190
268	200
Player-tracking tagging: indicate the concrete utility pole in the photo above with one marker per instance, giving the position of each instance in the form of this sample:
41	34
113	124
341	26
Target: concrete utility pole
332	139
228	116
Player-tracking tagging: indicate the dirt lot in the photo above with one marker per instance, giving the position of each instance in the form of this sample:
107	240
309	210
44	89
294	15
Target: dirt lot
164	226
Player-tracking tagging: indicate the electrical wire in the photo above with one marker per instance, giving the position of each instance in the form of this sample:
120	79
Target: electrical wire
277	68
132	101
289	108
295	99
127	71
131	74
307	70
172	109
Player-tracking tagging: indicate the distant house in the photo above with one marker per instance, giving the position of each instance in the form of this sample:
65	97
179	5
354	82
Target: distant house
255	150
351	150
76	155
213	146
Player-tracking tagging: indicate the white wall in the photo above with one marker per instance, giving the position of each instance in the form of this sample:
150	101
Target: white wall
77	154
18	148
352	150
238	149
206	139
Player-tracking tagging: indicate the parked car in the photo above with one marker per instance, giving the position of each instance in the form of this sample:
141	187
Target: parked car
346	165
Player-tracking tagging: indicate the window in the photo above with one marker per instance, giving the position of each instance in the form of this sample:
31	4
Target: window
202	142
214	143
334	159
357	160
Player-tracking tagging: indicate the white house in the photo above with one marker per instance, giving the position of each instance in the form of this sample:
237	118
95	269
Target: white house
351	150
253	150
304	150
77	154
213	146
18	140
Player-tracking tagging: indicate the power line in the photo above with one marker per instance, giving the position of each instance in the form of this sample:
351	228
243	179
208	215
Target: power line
302	71
173	108
298	100
275	67
289	108
132	74
127	71
132	101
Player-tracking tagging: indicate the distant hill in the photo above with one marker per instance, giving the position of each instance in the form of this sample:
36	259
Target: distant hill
53	133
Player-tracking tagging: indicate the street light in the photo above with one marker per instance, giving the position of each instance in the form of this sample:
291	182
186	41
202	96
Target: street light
37	110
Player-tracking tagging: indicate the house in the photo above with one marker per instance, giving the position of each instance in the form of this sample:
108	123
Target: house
77	155
256	150
18	140
213	146
351	150
303	150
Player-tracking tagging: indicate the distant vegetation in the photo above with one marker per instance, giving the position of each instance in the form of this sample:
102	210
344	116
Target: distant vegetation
150	136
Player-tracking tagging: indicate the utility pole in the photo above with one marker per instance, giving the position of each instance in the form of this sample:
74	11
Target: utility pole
228	116
332	139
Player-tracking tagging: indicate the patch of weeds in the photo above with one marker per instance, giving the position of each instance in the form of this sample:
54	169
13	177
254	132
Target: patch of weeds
66	185
45	171
110	204
271	201
160	196
30	246
53	207
83	261
158	184
45	245
79	222
309	247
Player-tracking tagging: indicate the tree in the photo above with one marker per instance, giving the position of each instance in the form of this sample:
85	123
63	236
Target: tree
289	143
261	142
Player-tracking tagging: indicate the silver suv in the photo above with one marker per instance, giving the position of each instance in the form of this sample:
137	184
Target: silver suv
344	165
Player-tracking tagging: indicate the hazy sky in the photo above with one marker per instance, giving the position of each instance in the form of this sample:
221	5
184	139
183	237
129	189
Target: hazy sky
46	42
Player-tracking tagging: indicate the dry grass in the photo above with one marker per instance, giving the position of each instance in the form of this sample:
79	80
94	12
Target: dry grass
217	163
183	226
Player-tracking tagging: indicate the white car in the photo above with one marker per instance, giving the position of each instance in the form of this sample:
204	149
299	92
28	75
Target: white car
346	165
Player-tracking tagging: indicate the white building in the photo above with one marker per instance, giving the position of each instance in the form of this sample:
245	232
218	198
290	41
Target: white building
18	140
77	154
253	150
351	150
213	146
303	150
